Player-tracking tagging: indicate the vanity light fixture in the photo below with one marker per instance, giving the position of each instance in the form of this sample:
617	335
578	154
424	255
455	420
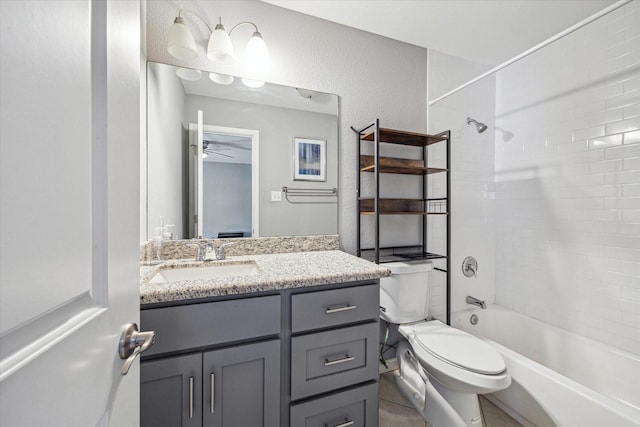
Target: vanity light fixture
182	44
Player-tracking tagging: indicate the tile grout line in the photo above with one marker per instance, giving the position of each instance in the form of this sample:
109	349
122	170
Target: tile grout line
397	403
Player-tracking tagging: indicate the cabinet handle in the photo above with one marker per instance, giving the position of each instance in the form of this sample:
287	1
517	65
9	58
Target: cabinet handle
331	310
190	397
346	423
346	358
213	390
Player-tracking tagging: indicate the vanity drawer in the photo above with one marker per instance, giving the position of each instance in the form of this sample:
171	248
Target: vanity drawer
315	310
198	325
357	408
330	360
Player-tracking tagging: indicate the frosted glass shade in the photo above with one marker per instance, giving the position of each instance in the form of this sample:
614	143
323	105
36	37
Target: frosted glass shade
221	79
257	54
220	48
254	84
181	43
188	74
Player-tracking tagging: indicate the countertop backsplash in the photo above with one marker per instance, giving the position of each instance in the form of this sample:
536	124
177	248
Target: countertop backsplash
185	249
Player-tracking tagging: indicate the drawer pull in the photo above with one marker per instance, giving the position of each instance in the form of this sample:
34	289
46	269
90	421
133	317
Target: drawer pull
331	310
346	423
213	392
190	397
346	358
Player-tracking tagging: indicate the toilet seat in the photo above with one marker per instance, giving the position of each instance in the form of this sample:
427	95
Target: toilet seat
455	358
457	348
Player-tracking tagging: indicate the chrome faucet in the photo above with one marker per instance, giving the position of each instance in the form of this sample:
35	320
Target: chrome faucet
476	301
202	249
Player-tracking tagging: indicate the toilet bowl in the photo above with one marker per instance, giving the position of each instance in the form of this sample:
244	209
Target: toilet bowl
441	369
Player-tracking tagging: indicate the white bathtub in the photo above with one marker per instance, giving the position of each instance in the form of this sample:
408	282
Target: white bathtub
559	378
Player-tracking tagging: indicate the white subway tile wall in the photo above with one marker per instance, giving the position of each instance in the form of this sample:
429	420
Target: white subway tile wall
472	180
567	183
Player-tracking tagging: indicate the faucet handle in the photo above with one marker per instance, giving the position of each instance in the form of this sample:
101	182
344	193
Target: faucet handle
201	249
221	252
470	267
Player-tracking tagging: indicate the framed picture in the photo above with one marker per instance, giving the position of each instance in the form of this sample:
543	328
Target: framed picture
309	159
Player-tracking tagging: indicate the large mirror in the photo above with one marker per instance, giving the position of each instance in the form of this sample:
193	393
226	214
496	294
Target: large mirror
234	158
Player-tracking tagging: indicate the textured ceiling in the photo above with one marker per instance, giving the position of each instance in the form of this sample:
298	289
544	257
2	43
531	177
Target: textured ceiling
484	31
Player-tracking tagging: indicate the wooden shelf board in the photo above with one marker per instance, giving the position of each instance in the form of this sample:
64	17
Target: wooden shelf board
397	207
392	136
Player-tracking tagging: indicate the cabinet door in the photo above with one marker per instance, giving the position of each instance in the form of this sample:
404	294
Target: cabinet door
242	386
171	392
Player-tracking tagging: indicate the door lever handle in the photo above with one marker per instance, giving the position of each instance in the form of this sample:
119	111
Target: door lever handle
132	343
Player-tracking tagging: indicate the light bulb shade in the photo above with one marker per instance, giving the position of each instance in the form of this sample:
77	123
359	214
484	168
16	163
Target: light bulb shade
181	43
220	48
188	74
221	79
253	84
257	54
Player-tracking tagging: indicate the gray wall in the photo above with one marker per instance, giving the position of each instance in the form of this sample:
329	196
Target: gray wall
226	198
166	176
277	127
373	75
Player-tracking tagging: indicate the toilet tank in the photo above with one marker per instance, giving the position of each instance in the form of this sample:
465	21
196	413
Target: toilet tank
404	296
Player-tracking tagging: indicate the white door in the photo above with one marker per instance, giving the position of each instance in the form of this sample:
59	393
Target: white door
69	141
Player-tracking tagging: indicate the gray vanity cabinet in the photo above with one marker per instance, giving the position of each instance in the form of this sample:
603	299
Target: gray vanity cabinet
234	386
230	375
302	357
334	357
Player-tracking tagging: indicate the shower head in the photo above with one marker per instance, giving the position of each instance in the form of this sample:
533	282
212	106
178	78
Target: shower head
480	127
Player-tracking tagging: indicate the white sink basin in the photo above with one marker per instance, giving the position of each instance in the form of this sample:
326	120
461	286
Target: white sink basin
205	272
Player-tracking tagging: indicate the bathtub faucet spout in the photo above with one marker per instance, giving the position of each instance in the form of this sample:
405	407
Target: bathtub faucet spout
476	301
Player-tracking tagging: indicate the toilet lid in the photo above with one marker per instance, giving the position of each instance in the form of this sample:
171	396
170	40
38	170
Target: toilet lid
456	347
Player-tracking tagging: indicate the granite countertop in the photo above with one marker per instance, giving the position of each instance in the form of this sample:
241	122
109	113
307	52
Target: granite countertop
275	271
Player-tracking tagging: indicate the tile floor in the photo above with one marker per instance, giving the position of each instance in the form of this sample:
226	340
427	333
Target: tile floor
396	411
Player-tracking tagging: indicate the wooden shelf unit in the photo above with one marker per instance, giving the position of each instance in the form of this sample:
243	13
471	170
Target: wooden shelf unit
372	167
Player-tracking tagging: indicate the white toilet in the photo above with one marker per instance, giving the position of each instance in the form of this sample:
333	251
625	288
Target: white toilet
442	369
